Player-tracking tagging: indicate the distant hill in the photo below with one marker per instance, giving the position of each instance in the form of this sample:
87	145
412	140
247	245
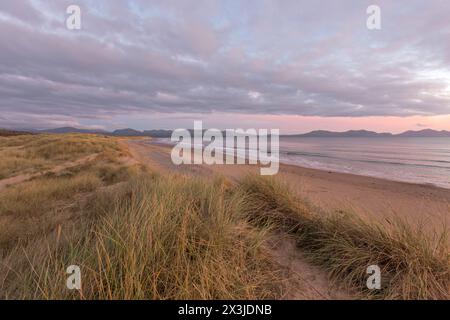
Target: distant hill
128	132
371	134
147	133
120	132
349	134
10	133
425	133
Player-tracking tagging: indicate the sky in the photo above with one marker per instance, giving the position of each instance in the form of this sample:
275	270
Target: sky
294	65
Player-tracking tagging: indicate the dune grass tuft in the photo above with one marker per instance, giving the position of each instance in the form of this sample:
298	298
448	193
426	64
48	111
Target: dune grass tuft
36	153
413	264
154	238
38	204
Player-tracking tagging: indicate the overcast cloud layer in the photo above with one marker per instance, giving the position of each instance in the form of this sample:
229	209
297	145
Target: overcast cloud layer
309	58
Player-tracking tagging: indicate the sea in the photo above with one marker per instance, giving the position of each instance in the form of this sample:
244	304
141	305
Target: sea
415	160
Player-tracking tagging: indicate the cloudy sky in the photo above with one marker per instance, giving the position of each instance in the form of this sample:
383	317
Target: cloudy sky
289	64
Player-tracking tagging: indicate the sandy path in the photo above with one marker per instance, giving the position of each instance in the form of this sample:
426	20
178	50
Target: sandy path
24	177
304	281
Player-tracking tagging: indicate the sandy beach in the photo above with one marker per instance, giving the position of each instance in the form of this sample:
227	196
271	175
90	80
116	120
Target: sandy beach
375	198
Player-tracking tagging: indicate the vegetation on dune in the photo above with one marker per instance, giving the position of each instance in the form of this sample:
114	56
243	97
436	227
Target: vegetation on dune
413	266
39	204
137	235
153	238
35	153
11	133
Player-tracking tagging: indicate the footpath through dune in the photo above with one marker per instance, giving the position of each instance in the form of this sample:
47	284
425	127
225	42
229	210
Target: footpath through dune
24	177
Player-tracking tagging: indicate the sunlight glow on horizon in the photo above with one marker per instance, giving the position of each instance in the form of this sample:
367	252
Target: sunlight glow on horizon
286	123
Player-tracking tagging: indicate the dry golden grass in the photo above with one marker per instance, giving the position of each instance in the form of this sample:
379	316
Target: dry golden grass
141	236
36	206
150	238
34	153
153	238
413	264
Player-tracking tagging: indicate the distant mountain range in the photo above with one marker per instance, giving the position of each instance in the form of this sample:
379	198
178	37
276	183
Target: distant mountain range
426	133
351	133
313	134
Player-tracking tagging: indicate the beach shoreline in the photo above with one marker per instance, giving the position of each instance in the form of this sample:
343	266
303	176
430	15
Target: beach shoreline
418	179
